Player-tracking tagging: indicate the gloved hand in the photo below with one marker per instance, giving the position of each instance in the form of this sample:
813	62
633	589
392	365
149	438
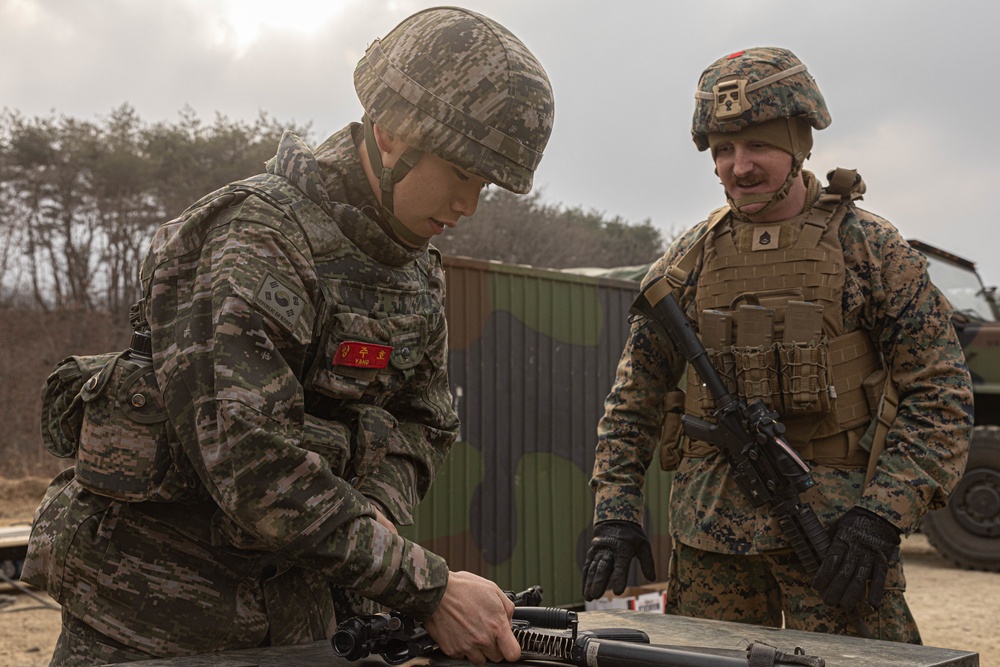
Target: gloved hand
863	547
614	546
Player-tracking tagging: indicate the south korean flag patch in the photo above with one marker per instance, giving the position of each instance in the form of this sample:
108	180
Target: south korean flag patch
278	300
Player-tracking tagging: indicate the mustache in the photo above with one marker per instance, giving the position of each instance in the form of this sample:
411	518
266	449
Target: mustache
749	180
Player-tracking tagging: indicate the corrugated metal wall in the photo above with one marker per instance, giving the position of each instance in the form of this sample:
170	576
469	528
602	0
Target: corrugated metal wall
532	356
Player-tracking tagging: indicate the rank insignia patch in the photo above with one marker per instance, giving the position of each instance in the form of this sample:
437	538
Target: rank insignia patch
362	355
279	301
766	237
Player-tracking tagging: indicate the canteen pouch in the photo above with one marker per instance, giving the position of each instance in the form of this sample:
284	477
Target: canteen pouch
62	406
125	438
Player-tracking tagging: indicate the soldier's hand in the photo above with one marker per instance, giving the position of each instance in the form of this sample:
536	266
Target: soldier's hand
855	567
384	521
611	551
473	621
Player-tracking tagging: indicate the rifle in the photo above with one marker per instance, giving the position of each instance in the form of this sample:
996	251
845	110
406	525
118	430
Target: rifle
765	468
399	638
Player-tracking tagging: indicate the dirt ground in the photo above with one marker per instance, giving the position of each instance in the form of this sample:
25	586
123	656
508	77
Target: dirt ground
954	608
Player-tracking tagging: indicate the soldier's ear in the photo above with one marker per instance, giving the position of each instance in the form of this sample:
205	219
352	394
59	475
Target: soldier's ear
384	139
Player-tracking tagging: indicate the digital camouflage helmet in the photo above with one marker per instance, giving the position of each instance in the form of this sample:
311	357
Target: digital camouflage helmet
763	94
754	86
457	84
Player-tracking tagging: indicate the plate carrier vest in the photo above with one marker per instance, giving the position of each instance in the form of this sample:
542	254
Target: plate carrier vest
771	319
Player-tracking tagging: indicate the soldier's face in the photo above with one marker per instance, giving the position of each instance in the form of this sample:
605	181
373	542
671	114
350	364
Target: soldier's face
754	167
434	195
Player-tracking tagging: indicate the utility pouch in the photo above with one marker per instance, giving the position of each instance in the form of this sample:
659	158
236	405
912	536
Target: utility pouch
673	429
62	406
125	438
874	386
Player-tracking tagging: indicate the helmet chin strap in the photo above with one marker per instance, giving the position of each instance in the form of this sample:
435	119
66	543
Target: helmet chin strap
772	198
387	179
776	197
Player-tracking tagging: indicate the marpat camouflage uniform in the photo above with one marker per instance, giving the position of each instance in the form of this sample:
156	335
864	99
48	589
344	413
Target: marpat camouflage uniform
270	521
888	294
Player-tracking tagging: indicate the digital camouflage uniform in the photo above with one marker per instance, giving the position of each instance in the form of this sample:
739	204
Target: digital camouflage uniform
263	517
731	561
296	381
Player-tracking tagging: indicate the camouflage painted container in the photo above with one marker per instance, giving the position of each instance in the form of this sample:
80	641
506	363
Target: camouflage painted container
532	357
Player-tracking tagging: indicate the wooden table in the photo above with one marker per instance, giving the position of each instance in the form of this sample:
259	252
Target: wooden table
723	639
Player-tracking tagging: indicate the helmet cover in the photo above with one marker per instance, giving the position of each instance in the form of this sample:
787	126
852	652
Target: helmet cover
754	86
459	85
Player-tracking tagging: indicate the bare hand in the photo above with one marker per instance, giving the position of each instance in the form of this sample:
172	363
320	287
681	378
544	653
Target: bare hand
473	621
381	518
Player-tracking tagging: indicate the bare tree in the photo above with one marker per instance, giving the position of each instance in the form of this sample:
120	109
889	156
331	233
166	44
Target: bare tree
523	230
80	201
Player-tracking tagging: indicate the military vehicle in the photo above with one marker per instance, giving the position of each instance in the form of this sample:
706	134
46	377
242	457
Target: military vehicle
967	531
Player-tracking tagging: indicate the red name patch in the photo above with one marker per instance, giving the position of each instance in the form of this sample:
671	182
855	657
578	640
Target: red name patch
362	355
737	54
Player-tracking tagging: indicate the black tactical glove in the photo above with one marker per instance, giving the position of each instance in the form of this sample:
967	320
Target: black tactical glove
614	546
863	547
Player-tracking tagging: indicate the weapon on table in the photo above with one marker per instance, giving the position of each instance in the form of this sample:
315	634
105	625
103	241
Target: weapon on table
399	638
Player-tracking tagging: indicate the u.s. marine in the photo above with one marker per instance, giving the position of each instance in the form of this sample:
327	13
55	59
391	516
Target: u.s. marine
822	311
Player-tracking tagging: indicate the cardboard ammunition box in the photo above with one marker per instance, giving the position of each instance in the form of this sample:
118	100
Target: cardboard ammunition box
649	597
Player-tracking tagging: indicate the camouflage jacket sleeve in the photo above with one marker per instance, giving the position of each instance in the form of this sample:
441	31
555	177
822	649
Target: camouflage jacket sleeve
229	366
889	293
428	427
629	431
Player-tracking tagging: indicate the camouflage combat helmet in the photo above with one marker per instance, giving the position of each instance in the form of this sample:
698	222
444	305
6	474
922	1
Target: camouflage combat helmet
765	94
459	85
752	87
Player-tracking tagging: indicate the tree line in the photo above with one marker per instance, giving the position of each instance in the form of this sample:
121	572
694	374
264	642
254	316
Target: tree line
80	200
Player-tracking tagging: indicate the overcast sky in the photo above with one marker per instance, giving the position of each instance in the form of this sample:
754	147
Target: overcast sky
912	86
